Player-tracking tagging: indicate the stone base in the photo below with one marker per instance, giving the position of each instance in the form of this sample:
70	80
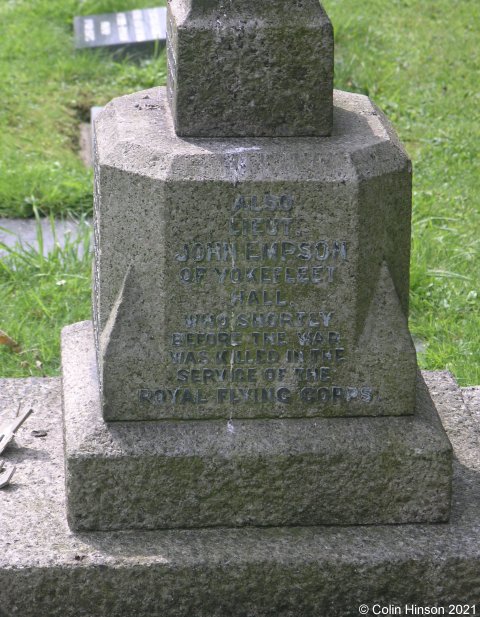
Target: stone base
48	571
190	474
184	248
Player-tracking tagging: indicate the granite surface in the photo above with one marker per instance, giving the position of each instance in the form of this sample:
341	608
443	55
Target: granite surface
46	570
471	396
243	278
260	472
248	68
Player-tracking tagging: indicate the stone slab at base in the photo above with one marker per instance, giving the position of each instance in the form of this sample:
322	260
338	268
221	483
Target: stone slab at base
48	571
471	397
189	474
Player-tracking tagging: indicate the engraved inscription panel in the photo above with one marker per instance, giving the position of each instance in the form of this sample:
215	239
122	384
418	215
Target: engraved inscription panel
260	315
118	29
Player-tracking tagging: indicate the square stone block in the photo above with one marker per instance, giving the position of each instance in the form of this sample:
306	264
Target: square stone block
187	474
250	68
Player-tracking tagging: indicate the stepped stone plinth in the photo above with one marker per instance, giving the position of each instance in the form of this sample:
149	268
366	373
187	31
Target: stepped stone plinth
245	428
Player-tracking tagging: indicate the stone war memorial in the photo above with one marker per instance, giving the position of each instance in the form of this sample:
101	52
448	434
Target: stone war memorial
242	429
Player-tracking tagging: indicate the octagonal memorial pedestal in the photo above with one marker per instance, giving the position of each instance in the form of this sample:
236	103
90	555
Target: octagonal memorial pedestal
251	278
252	364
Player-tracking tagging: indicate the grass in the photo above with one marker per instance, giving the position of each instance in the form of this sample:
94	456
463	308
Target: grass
418	59
41	293
47	89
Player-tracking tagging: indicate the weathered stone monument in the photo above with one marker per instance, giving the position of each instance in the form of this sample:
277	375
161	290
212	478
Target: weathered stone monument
250	295
249	386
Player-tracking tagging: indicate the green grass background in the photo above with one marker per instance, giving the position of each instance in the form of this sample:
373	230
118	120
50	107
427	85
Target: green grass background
418	59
